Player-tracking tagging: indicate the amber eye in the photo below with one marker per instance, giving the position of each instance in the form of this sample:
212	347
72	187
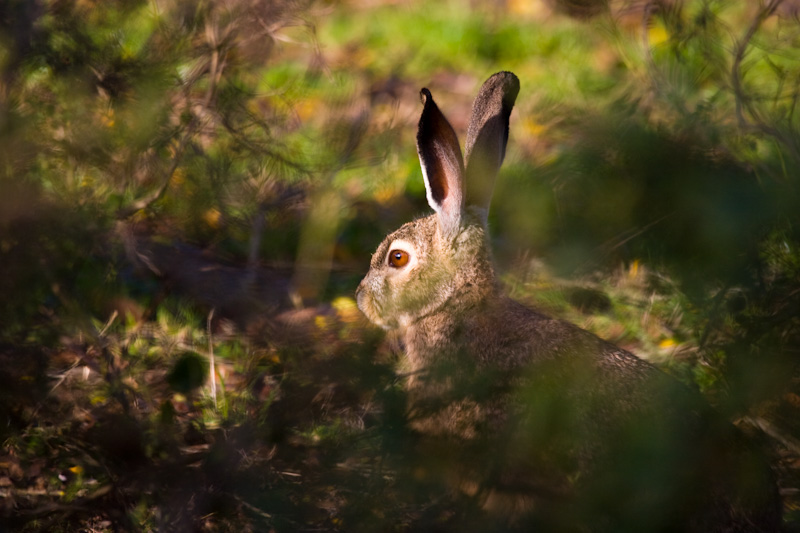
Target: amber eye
398	258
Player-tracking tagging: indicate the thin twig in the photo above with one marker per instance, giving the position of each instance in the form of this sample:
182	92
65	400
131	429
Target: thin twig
609	245
254	509
144	203
212	366
110	321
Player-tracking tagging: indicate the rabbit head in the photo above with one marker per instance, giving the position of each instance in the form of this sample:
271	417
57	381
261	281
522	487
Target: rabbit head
444	260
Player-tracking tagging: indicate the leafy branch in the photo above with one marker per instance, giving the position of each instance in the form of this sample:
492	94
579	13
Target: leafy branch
214	73
747	114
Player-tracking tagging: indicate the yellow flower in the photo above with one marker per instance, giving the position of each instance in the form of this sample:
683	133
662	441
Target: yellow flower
666	343
657	34
346	308
633	270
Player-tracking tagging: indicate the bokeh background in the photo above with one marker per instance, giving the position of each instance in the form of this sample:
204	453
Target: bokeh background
193	188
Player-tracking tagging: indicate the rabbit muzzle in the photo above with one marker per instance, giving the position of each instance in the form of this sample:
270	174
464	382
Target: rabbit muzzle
369	304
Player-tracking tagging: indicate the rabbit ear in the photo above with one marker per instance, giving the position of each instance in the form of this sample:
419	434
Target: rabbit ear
487	136
442	165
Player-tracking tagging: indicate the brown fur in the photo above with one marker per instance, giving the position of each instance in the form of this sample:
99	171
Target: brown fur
560	416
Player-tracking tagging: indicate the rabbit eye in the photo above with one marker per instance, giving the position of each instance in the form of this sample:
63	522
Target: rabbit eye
398	258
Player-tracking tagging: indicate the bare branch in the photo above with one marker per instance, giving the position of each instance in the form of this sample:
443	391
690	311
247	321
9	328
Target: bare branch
214	75
746	114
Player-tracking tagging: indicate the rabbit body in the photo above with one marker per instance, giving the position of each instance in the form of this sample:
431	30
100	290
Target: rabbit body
554	405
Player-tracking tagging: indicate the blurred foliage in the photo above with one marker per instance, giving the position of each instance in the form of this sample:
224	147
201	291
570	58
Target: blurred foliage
180	179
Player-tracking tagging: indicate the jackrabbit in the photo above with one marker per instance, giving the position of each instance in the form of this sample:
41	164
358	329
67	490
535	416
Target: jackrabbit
592	436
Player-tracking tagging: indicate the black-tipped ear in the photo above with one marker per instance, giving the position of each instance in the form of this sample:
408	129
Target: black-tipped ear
442	165
487	136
